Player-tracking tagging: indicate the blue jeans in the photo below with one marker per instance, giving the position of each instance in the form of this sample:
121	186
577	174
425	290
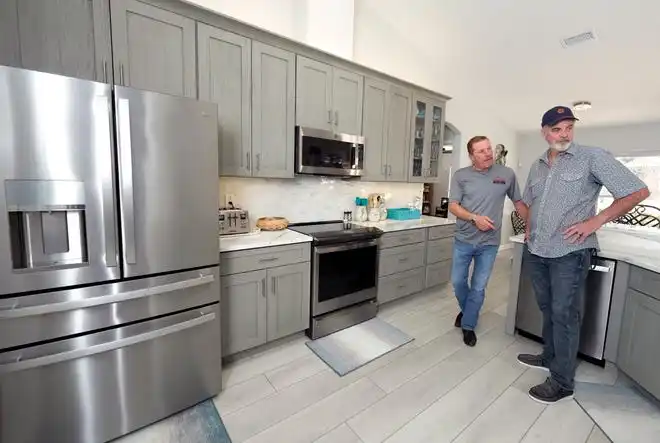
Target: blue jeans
559	287
471	297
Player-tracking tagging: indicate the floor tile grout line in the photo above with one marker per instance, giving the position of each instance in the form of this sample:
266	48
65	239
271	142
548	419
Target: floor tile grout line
543	409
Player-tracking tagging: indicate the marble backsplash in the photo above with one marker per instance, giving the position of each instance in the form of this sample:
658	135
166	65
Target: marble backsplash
307	199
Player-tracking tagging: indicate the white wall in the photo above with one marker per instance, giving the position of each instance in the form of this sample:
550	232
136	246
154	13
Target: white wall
324	24
306	199
620	140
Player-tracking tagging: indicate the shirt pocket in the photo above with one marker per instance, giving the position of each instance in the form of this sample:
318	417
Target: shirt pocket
571	184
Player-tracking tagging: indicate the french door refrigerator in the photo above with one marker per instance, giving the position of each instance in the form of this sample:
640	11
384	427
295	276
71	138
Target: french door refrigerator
109	278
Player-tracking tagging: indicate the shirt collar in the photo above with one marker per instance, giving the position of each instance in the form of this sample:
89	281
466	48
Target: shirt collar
572	148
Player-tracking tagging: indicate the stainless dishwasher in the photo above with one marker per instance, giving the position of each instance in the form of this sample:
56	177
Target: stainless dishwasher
598	295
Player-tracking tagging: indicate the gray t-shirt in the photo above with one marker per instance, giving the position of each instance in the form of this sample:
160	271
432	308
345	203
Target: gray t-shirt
482	193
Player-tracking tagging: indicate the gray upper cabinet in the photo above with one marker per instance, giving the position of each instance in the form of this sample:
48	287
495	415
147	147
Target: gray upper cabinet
244	311
288	300
273	111
386	125
427	139
224	78
153	49
314	94
66	37
398	133
347	99
375	130
328	98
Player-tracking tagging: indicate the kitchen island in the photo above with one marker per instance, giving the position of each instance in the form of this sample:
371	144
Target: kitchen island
633	317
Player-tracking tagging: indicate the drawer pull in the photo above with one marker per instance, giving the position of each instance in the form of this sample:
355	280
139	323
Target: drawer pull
403	259
267	260
402	286
405	239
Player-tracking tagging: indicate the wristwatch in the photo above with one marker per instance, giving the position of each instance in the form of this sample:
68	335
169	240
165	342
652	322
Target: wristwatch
473	219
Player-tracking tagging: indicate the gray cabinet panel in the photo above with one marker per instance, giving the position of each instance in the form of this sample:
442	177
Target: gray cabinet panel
638	355
273	111
153	49
244	311
399	285
10	52
398	133
313	94
438	273
393	239
375	130
66	37
400	259
438	250
645	281
224	78
288	300
263	258
441	231
347	99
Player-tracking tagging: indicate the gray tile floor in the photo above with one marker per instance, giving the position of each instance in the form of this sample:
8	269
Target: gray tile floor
433	389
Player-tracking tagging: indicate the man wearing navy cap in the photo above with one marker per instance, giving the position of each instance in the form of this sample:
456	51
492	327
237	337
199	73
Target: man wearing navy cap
561	192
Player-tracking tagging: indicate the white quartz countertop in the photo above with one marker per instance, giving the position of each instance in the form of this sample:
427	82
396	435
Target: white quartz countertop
635	245
390	225
263	239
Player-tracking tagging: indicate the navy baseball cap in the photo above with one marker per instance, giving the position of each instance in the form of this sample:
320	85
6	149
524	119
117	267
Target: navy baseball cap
557	114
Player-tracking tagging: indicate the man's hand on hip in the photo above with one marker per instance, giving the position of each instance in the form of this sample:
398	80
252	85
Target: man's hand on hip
483	223
579	232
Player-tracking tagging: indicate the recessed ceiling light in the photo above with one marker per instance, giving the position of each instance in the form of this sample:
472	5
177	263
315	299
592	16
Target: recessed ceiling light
581	106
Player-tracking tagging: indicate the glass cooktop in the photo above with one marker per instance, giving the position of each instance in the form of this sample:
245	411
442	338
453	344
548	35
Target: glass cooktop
336	231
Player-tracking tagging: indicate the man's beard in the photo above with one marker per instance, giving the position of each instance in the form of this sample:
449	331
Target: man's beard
560	146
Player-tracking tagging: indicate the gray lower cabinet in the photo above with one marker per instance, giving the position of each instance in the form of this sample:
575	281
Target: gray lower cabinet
409	263
224	78
327	97
66	37
386	128
640	331
153	49
273	111
270	300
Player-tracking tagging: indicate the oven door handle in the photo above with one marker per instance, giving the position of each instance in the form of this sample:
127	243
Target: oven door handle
345	246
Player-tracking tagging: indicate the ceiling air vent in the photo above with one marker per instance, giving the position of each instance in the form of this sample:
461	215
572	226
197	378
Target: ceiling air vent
577	39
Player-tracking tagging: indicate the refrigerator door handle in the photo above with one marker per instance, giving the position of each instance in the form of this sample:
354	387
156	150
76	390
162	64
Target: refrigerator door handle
21	365
108	201
126	161
14	310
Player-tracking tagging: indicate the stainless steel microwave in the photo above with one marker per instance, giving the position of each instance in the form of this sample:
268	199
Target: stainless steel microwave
320	152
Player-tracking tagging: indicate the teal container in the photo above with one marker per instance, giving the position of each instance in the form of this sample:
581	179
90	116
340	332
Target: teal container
403	213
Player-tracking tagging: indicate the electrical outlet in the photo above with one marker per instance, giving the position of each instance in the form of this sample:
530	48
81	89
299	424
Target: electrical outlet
230	198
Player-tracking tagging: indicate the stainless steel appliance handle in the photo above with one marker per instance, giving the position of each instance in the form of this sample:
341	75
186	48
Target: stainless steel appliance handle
126	161
37	362
15	311
345	246
107	189
121	74
599	268
105	71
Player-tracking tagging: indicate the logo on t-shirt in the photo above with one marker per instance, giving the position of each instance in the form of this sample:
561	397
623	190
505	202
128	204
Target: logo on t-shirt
499	181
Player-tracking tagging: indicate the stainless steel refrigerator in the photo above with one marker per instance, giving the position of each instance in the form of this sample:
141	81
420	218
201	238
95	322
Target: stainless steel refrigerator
109	278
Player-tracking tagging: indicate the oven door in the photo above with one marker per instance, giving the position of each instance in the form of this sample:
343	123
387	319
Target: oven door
344	275
321	152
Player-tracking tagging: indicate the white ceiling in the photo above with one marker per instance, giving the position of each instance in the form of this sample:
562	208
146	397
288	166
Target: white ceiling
507	53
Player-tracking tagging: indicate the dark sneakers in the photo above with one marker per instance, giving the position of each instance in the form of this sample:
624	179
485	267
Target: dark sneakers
532	361
549	393
469	337
459	319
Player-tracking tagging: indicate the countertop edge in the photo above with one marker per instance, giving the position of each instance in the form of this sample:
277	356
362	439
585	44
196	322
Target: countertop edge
264	239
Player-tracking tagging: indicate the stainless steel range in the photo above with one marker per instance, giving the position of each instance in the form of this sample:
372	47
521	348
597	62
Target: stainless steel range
344	275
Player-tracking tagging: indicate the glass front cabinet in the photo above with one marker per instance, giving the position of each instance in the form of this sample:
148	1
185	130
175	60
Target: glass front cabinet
427	140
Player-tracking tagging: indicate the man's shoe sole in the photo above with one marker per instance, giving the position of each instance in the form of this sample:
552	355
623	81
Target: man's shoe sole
527	365
546	402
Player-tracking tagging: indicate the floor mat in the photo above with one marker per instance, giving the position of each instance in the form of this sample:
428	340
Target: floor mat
199	424
348	349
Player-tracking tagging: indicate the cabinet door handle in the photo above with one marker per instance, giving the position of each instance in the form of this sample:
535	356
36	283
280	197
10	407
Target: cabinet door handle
258	162
105	71
389	169
329	116
263	287
336	118
385	170
273	282
121	75
247	156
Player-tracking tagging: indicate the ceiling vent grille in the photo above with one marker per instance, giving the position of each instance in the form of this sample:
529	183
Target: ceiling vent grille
578	39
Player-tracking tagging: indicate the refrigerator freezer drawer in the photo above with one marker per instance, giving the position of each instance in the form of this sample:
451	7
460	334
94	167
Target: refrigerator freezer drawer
35	318
97	387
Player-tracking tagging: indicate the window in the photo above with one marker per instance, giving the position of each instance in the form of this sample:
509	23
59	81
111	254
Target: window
646	168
